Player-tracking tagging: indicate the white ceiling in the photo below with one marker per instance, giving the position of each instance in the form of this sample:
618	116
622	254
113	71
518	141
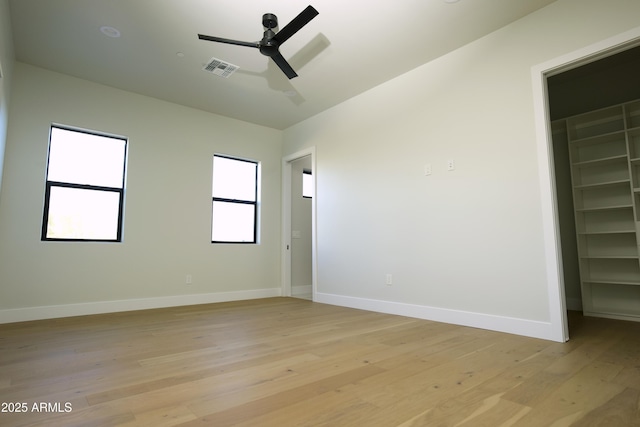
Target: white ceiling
350	47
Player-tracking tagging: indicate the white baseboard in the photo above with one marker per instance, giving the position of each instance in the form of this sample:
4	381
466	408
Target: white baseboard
529	328
82	309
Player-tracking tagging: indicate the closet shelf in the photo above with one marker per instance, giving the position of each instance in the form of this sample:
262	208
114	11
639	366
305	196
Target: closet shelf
602	184
613	282
604	208
596	139
596	233
610	257
602	161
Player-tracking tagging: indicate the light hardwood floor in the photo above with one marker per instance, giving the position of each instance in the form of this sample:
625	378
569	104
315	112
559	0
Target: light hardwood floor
291	362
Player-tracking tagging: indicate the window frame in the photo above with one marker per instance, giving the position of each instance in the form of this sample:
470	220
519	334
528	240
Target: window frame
254	202
61	184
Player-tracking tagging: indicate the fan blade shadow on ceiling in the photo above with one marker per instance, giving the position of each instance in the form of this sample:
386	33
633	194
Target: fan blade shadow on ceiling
309	51
277	81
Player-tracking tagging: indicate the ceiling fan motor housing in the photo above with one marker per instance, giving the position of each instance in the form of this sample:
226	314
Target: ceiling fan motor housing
268	46
269	20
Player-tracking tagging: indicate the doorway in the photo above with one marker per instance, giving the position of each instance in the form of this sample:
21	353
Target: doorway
298	225
599	84
555	86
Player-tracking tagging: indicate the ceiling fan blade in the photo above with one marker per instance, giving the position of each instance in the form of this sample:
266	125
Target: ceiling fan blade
228	41
284	65
296	24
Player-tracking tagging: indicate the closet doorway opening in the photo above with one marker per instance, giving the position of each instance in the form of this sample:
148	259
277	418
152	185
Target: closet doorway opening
298	225
595	79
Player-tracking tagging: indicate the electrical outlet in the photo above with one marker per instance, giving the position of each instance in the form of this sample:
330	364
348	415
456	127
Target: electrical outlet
389	280
427	169
189	279
451	165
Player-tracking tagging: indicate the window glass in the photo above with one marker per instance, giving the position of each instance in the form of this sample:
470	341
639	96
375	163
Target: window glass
233	222
307	184
234	179
83	214
84	188
234	202
83	158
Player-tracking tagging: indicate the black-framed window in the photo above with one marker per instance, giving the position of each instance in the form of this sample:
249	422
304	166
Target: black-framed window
234	209
84	187
307	184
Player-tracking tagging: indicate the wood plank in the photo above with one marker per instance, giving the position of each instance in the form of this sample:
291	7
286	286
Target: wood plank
257	408
622	410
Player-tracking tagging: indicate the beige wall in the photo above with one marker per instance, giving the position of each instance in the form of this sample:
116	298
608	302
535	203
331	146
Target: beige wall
167	209
462	242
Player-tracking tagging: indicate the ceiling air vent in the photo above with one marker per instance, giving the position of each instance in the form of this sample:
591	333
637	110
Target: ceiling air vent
220	68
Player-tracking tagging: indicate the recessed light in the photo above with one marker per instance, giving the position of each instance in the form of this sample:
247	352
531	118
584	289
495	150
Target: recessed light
110	31
451	1
180	55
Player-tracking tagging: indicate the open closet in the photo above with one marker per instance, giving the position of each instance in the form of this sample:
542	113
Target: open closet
595	113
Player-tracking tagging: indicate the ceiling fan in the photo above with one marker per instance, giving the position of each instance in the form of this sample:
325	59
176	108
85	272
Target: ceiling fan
271	41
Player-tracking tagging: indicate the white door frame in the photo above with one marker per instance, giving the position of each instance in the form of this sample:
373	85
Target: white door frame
551	230
286	221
